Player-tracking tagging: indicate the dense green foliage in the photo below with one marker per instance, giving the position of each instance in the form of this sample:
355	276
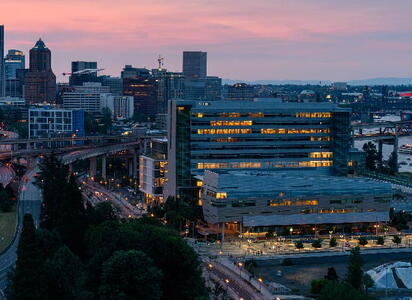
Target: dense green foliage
6	202
371	156
82	252
363	241
333	242
354	274
317	243
354	287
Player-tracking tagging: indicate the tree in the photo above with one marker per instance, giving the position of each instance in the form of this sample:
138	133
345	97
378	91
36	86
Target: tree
317	243
104	211
316	286
333	242
338	290
65	277
270	234
397	240
299	245
52	179
380	240
130	275
26	279
6	203
355	274
363	241
393	163
331	275
106	120
71	220
371	156
367	282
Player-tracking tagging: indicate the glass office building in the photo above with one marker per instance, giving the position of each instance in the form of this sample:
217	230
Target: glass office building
263	135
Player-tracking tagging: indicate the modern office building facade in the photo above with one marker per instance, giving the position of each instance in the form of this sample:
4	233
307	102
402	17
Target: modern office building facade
288	198
208	88
122	107
171	85
152	172
2	71
14	60
39	81
14	66
264	135
194	64
88	97
45	122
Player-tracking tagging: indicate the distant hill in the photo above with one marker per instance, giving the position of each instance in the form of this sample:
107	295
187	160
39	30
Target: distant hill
369	81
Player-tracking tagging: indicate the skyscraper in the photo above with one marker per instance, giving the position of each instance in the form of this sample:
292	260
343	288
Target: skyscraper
14	61
79	78
40	82
2	75
194	64
14	70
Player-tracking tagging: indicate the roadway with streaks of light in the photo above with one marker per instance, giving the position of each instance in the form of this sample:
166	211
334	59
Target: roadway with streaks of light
30	197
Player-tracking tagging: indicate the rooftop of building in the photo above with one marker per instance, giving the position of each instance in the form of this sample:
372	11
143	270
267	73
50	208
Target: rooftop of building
40	45
259	103
293	182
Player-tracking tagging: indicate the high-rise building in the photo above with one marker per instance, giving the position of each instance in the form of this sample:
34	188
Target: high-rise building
139	83
40	82
78	78
195	64
2	71
14	60
14	67
114	83
207	88
264	135
171	85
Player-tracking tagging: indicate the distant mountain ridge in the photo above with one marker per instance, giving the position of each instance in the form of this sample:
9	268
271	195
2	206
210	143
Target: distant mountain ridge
369	81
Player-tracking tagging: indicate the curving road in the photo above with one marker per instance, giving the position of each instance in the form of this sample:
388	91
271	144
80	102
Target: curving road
29	202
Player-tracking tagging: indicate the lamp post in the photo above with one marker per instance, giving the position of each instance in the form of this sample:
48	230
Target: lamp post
227	284
240	265
260	284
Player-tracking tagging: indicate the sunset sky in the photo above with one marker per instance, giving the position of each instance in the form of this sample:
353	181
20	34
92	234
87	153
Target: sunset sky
249	40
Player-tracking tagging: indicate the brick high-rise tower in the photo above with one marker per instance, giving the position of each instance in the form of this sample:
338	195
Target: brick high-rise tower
40	82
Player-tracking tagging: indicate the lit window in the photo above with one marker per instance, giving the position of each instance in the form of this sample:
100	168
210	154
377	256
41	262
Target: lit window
221	195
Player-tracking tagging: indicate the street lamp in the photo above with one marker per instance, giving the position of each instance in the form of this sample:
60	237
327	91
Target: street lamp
240	264
260	284
227	284
291	230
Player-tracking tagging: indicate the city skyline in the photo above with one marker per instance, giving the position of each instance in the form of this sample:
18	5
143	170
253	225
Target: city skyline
264	40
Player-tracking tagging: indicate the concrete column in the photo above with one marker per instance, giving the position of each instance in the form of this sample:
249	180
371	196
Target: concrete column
70	168
130	167
134	163
395	150
380	152
92	169
104	163
223	234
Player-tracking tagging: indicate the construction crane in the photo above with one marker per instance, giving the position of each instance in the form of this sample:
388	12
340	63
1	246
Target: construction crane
84	71
160	61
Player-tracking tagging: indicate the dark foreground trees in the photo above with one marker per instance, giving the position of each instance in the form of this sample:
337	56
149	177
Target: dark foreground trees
353	287
87	253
